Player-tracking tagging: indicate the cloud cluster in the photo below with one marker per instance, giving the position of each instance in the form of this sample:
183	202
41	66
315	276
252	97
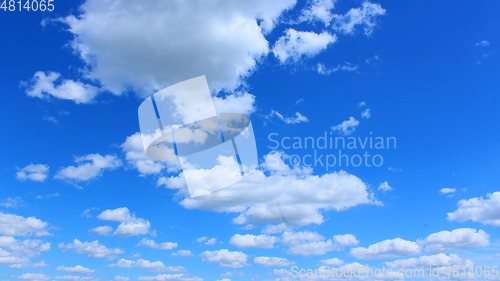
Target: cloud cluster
130	225
148	265
225	258
91	249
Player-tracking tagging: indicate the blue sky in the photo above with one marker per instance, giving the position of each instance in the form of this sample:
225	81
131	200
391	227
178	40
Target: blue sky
80	200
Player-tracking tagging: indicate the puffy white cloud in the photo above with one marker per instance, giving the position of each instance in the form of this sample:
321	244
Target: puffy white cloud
12	202
15	253
332	262
295	197
338	243
33	276
12	225
211	242
384	187
42	86
447	190
295	44
34	172
182	253
365	16
89	167
461	238
426	261
130	225
91	249
225	258
121	278
102	230
151	266
366	114
76	269
164	277
347	127
161	246
218	39
485	211
289	120
272	261
386	250
249	240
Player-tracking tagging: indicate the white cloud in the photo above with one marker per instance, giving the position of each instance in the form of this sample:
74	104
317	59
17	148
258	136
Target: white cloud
33	276
485	211
42	86
249	240
461	238
201	239
91	249
295	44
12	202
225	258
16	253
89	167
384	187
367	113
332	262
426	261
161	246
148	265
121	278
361	104
289	120
102	230
322	69
165	277
238	102
76	269
182	253
320	10
366	16
447	190
12	225
483	43
386	250
272	261
291	196
211	242
38	172
347	127
338	243
129	226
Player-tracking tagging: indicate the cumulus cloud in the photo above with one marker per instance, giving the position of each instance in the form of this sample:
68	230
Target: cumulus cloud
42	86
365	16
386	250
347	127
89	167
33	277
102	230
91	249
76	269
12	225
165	277
384	187
272	261
297	44
249	240
447	190
130	225
34	172
161	246
427	261
295	197
16	253
148	265
121	278
289	120
211	242
182	253
225	258
485	211
312	247
461	238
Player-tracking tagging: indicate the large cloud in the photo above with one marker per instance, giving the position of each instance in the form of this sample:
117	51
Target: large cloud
12	225
485	211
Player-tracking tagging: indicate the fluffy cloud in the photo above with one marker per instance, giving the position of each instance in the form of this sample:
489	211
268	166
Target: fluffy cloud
365	16
211	242
291	196
426	261
121	278
338	243
12	225
165	277
447	190
12	202
225	258
272	261
384	187
15	253
347	127
249	240
289	120
76	269
461	238
485	211
161	246
42	86
151	266
182	253
296	44
38	172
33	277
89	167
102	230
130	225
386	250
91	249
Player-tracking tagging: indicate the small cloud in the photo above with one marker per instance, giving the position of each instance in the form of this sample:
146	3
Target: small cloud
366	114
447	190
34	172
361	104
289	120
201	239
182	253
12	202
51	119
322	69
395	169
347	127
483	43
211	242
384	187
299	101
